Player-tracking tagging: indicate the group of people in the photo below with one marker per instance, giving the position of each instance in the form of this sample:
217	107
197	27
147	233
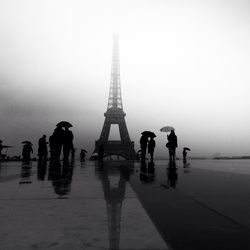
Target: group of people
61	139
147	142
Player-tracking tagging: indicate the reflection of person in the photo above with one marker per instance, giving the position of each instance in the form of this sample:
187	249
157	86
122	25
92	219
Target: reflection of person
151	148
172	175
172	145
42	148
25	173
143	143
27	150
41	170
61	177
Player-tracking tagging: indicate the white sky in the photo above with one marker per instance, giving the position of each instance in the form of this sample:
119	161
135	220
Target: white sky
183	63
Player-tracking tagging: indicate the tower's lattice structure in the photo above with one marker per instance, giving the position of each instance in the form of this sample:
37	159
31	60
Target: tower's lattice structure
115	115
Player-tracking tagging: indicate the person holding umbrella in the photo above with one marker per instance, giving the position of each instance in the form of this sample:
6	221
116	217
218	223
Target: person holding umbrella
172	145
172	141
151	148
144	143
59	139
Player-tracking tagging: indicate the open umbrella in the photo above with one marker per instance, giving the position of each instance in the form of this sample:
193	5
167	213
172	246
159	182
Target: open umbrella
64	124
27	142
167	129
188	149
148	134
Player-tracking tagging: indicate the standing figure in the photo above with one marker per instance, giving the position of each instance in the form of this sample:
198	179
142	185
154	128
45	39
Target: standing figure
42	148
151	148
58	137
27	150
67	143
143	143
172	145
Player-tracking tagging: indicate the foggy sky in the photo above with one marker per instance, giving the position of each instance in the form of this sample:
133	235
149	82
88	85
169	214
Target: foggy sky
183	64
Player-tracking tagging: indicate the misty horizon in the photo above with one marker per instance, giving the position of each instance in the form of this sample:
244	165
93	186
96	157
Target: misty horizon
183	64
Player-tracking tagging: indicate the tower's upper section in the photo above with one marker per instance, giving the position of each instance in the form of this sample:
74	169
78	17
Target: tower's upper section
115	97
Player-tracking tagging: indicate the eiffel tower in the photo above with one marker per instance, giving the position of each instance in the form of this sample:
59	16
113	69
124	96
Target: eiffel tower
115	115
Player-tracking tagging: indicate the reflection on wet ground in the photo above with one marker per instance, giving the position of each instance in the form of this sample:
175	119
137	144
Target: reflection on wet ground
123	205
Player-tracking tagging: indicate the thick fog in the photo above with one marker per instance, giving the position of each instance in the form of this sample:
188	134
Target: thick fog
183	64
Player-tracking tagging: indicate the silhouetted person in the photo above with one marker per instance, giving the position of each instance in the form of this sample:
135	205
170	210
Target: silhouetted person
100	153
184	153
42	148
27	150
58	137
67	143
172	145
151	148
82	155
143	143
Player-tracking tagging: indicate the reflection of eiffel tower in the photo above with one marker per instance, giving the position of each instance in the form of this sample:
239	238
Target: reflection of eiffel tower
114	196
115	115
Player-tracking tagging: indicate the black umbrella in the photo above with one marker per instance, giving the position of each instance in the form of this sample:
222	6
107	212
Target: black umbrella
188	149
64	124
148	134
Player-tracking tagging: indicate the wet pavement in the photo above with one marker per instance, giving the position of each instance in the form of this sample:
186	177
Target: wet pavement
125	205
